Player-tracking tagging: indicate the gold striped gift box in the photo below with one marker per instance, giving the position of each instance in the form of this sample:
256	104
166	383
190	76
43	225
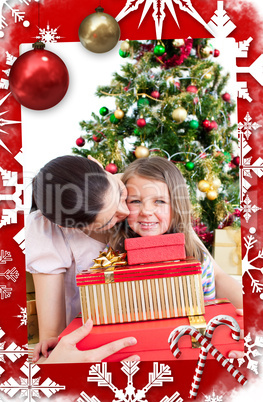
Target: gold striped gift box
142	292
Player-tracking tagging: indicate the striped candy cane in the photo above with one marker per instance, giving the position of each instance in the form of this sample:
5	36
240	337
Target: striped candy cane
211	326
177	333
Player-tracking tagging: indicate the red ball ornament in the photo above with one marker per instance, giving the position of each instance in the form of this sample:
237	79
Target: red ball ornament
207	125
177	85
39	79
213	125
80	142
216	53
196	100
111	168
155	94
236	160
96	139
226	97
192	88
141	122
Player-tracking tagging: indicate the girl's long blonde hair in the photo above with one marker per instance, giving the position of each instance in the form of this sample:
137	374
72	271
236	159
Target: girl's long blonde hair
160	169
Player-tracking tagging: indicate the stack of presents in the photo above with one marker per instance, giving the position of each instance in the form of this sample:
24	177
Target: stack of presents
159	290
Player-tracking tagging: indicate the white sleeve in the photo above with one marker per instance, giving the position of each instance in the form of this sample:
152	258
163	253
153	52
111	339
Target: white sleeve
47	250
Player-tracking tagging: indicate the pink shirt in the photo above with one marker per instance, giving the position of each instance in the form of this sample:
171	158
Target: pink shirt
51	249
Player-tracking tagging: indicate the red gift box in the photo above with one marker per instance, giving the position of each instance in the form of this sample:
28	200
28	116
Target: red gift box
142	292
152	336
141	250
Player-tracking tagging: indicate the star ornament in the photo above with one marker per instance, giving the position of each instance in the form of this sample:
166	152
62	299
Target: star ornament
159	12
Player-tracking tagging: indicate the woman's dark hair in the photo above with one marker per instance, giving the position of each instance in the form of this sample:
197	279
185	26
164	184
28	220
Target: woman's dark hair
69	191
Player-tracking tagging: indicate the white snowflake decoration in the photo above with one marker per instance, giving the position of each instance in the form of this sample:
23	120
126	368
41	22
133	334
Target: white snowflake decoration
245	130
5	292
22	316
48	35
161	373
13	352
18	16
10	274
219	26
247	265
251	350
10	179
19	238
247	208
5	256
213	398
30	387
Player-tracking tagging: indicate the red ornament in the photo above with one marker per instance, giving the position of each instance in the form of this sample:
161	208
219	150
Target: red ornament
96	139
213	125
38	78
80	142
155	94
111	168
226	97
192	88
216	53
207	125
141	122
177	84
196	100
236	160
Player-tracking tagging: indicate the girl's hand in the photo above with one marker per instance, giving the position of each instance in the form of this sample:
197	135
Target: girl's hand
237	354
44	348
67	352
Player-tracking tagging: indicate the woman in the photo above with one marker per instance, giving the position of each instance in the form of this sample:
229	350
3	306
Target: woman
75	202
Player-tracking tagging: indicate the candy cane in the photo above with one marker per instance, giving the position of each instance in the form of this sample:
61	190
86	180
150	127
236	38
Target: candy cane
177	333
211	326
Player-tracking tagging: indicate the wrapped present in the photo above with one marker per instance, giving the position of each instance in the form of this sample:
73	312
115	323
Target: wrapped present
32	322
117	294
152	336
161	248
227	250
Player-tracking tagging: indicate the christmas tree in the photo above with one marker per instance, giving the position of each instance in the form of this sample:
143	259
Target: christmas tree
171	101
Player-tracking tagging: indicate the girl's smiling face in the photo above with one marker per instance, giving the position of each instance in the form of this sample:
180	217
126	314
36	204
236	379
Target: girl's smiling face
149	205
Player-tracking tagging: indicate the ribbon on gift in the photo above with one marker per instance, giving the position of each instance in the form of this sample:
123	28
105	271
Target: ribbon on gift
107	261
236	237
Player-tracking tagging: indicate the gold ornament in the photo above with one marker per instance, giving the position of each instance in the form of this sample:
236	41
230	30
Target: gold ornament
203	186
125	46
109	259
119	114
211	195
208	76
141	152
178	42
216	183
179	114
99	32
205	52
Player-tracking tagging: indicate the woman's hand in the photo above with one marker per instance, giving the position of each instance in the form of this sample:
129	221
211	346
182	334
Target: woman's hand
44	348
67	352
237	354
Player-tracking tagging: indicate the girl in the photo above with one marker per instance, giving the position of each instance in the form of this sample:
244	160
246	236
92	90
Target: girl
75	203
159	203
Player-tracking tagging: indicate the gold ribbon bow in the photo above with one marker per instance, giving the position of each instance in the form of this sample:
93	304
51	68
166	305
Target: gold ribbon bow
107	261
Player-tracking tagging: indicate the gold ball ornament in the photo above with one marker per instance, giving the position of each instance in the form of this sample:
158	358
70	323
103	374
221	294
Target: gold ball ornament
119	114
203	186
99	32
216	183
205	52
208	76
178	42
125	46
141	152
211	195
179	114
